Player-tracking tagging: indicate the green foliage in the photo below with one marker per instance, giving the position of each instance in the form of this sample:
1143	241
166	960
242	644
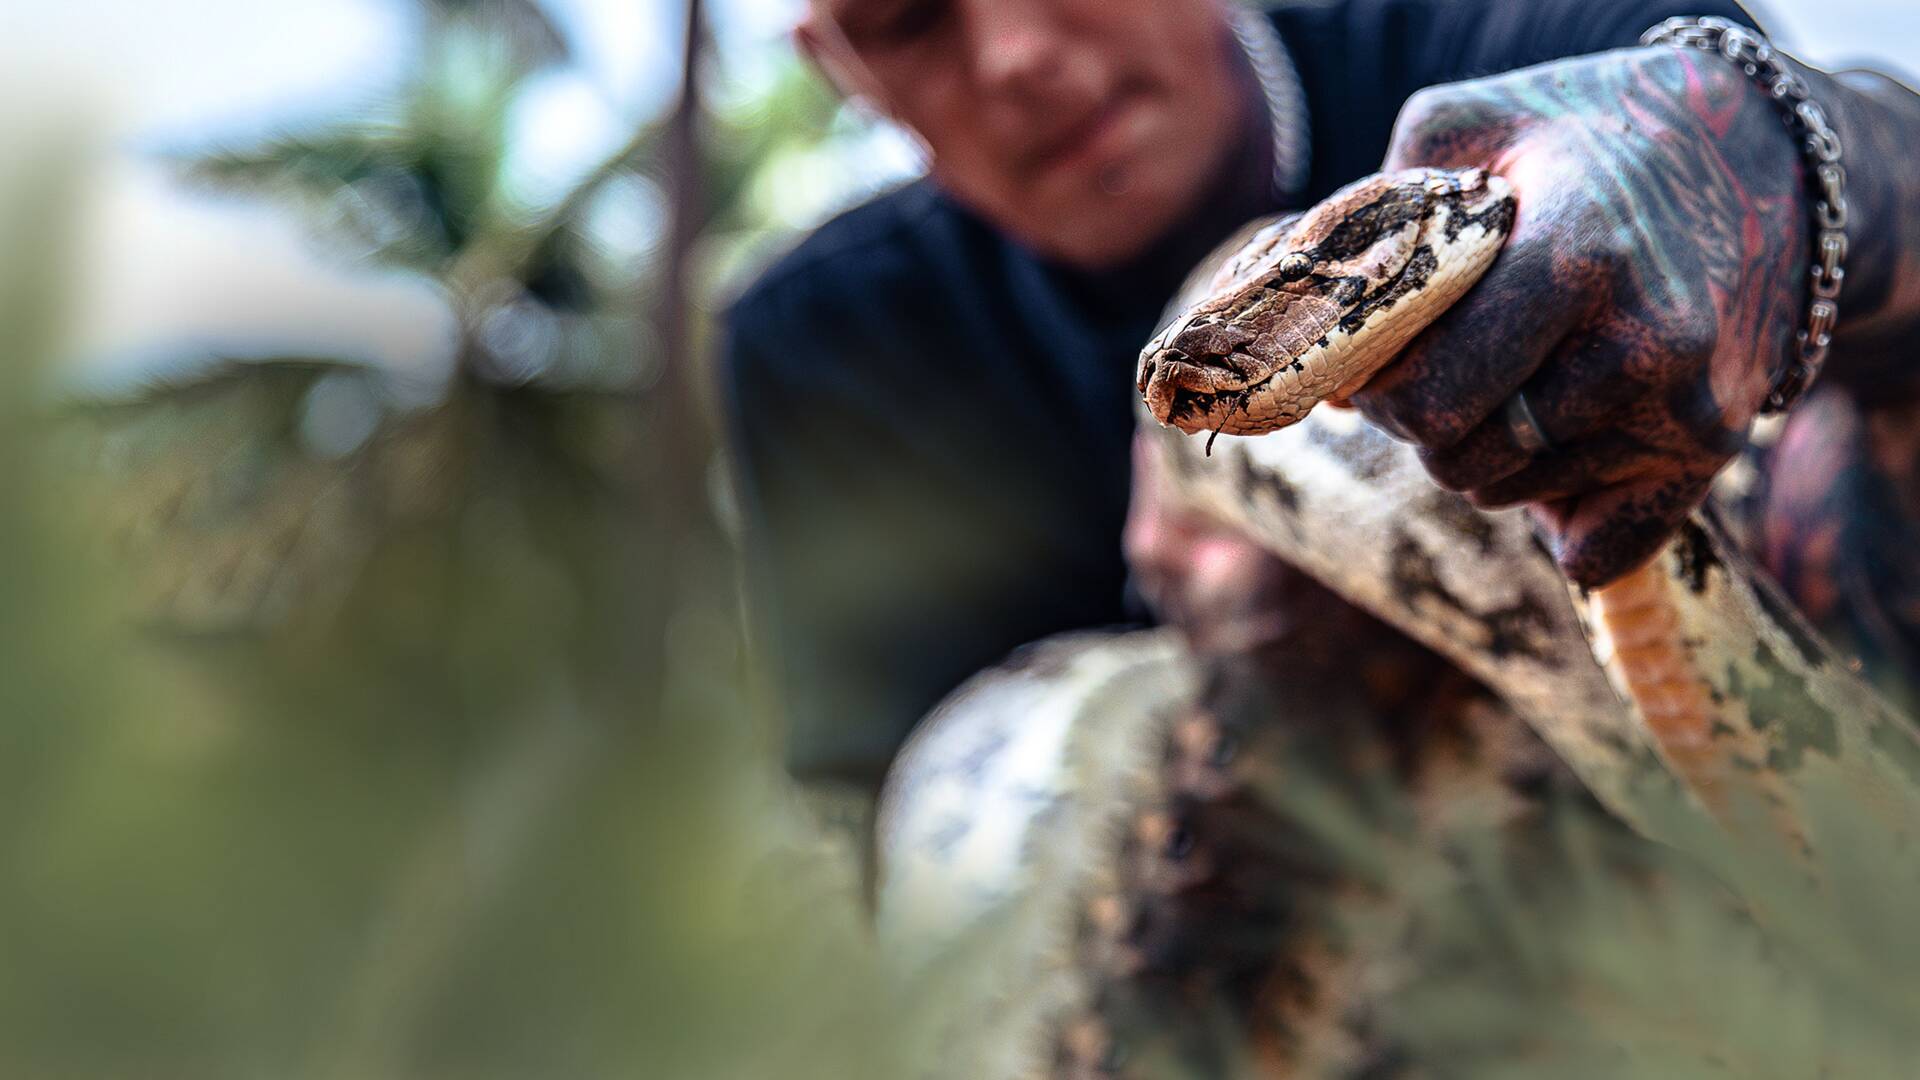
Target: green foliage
417	177
426	752
1573	948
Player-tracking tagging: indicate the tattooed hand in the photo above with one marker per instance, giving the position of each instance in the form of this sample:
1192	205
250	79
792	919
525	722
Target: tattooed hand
1654	280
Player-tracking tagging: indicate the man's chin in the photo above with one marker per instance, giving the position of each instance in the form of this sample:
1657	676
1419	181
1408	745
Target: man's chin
1098	231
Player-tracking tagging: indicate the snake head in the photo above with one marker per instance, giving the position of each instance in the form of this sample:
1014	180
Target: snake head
1310	306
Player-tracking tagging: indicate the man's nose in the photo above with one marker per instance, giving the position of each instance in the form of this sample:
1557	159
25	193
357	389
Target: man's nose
1016	44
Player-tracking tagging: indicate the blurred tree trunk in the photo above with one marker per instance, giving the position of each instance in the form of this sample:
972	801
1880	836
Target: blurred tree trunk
682	155
693	566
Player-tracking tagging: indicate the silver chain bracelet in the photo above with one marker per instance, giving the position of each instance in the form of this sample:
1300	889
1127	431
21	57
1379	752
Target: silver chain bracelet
1762	62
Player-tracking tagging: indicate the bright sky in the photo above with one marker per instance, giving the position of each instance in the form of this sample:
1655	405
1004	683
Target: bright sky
186	72
196	68
190	67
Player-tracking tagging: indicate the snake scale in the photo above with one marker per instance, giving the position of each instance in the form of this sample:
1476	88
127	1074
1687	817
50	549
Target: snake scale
1691	680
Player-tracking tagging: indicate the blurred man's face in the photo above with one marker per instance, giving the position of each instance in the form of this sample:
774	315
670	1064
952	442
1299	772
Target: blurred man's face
1085	128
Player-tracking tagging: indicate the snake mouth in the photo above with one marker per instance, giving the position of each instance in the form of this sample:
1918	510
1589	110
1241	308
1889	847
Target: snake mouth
1208	391
1186	391
1198	361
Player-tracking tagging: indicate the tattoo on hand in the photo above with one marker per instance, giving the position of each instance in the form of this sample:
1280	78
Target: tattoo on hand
1650	290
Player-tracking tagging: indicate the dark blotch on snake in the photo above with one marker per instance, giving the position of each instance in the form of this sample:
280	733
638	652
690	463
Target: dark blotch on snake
1365	449
1253	481
1785	707
1364	227
1459	517
1497	218
1513	630
1418	272
1693	557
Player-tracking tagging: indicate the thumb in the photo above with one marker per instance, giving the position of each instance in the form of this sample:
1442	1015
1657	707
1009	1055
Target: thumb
1450	127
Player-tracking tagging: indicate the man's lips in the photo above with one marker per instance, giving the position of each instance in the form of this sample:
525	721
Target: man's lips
1102	134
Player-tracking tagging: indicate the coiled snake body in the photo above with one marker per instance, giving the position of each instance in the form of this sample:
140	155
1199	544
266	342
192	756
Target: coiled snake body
1692	672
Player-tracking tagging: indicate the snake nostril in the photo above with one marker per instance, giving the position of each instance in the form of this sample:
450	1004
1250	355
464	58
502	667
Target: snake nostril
1206	345
1159	362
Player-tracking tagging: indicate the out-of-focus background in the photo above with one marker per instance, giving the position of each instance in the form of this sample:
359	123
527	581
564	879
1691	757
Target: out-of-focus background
373	700
370	332
564	87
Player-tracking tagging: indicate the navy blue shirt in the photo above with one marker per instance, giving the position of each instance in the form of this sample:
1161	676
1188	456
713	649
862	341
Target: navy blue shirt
931	424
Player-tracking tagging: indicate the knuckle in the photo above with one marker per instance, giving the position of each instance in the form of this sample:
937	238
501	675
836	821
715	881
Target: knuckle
1585	571
1597	559
1376	406
1453	470
1695	335
1423	120
1449	475
1493	499
1421	404
1387	417
1433	430
1425	107
1599	556
1700	425
1611	248
1696	429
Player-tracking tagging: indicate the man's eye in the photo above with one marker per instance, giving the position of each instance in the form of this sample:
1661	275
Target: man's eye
905	24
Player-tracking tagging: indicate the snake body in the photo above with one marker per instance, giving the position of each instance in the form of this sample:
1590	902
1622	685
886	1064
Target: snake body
1687	640
1690	682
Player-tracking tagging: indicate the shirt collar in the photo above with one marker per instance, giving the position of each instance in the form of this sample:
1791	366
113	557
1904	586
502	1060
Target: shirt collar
1281	94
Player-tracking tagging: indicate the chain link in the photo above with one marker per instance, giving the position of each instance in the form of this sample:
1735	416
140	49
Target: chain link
1827	181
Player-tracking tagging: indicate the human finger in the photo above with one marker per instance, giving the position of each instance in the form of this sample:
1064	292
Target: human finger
1465	366
1580	390
1599	538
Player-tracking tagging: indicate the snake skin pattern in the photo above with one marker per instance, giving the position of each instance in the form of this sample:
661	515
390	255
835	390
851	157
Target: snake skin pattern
1309	308
1690	641
1074	803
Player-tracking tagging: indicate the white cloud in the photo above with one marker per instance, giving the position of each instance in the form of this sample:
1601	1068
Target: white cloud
628	49
173	279
189	69
559	128
1833	33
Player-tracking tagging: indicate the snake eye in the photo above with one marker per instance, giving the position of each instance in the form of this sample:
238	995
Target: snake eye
1295	266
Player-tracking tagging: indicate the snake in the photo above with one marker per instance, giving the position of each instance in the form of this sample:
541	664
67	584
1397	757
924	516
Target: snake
1691	681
